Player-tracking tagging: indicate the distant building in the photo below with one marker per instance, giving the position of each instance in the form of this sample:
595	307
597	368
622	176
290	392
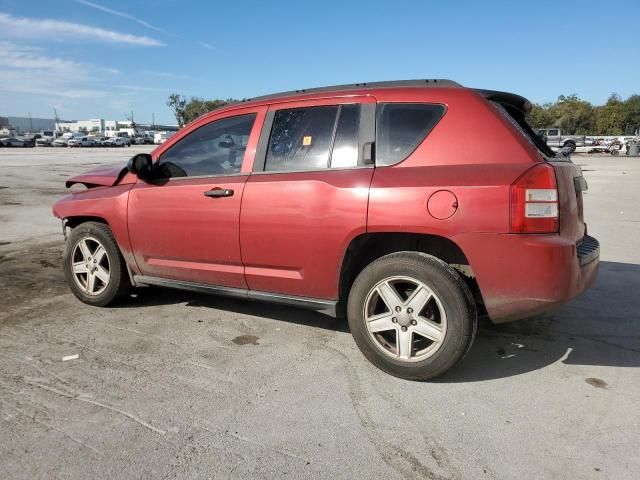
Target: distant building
96	126
109	128
26	124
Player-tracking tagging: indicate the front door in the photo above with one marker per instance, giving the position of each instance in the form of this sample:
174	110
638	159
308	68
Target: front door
184	225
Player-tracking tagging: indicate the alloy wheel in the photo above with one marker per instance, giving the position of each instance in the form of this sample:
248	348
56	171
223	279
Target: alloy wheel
405	319
90	266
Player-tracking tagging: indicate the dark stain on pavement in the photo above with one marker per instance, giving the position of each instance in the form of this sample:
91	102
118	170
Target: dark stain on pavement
246	340
596	382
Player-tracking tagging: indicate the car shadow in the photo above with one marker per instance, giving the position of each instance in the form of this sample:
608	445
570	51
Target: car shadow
154	296
599	328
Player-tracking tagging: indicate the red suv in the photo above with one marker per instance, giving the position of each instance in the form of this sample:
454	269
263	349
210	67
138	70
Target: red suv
411	206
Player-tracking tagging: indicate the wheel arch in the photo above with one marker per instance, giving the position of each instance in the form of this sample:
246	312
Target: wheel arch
75	220
367	247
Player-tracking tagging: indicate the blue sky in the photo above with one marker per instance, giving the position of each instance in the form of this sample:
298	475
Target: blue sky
100	58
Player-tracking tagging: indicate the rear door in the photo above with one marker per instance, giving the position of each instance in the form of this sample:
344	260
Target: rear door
184	225
307	195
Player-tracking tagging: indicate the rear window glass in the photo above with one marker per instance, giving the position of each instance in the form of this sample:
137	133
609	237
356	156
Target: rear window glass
345	147
401	127
301	139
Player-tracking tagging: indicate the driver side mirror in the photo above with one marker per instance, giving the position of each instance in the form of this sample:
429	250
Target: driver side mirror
141	165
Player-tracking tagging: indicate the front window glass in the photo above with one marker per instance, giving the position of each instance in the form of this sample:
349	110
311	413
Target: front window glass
216	148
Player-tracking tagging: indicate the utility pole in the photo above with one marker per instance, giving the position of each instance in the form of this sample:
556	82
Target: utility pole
30	123
153	121
55	119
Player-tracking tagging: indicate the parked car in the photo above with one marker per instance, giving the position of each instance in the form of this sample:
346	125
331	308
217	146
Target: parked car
117	142
139	140
99	141
63	140
17	142
555	138
80	142
161	137
354	198
44	142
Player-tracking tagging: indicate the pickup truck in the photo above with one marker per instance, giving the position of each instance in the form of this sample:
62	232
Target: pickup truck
554	138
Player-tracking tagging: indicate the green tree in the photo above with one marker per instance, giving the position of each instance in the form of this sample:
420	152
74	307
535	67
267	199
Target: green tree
540	116
572	115
187	111
569	113
177	104
631	113
610	118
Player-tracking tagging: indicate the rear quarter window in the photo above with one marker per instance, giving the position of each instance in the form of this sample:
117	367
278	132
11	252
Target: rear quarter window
401	127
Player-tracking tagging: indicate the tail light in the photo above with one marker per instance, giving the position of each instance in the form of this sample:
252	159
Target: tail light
534	201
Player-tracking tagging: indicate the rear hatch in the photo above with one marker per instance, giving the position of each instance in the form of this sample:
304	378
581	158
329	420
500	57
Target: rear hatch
571	183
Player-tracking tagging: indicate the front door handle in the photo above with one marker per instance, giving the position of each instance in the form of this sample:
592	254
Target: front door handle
219	192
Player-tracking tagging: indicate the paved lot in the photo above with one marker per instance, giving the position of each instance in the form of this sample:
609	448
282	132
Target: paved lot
177	385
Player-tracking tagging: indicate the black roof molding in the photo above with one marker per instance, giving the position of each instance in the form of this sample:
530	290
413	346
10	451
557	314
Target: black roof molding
512	99
359	86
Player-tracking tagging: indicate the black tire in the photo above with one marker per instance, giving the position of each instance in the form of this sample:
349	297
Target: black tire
119	283
571	146
446	284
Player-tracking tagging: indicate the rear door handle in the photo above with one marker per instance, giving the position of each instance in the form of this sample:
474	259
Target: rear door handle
219	192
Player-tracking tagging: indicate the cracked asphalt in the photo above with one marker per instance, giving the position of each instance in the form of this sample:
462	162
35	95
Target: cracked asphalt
172	384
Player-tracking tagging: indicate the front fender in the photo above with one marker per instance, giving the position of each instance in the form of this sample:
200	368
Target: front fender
106	203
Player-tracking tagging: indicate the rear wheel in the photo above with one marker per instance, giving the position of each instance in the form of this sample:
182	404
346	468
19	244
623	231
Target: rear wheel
570	146
93	265
411	315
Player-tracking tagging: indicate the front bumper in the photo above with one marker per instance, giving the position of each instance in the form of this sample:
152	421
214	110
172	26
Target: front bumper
523	275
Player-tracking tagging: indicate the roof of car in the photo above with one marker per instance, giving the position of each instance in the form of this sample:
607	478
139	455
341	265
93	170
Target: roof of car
422	83
502	97
357	86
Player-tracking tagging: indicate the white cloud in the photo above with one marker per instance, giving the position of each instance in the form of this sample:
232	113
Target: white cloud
112	71
133	18
21	27
118	13
28	70
141	88
155	73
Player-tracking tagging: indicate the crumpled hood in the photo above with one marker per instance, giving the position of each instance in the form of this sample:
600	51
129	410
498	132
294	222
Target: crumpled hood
102	176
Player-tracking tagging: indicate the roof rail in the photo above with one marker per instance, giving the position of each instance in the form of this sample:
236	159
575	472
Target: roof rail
359	86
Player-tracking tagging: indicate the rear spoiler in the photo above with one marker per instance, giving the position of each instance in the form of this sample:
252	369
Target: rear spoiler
510	99
518	107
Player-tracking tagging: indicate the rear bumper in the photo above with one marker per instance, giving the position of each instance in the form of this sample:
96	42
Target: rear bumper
523	275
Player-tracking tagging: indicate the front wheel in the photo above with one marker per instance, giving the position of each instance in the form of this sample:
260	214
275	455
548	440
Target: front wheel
411	315
93	265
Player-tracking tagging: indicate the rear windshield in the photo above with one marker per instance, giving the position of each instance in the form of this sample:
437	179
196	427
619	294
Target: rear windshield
516	117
